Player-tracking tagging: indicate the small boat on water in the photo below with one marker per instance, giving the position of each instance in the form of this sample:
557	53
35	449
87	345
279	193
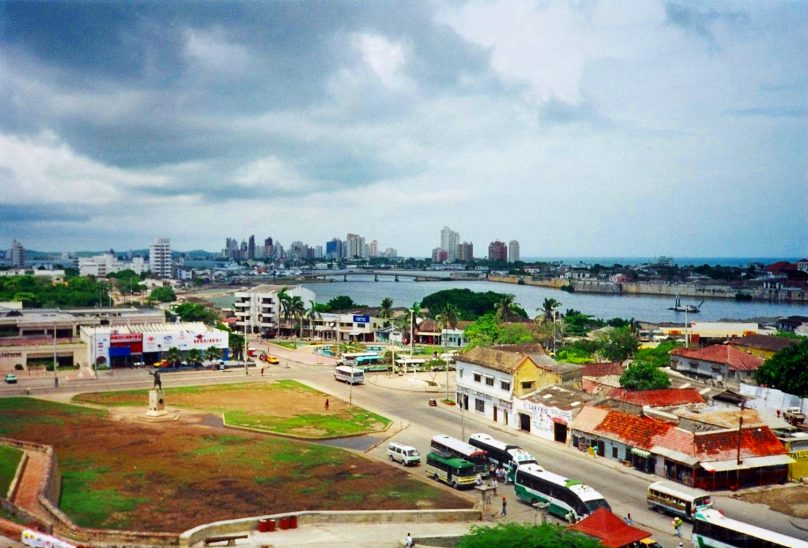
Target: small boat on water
679	307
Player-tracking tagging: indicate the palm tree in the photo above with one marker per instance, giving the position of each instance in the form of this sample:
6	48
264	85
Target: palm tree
415	313
548	308
297	309
173	355
194	357
506	307
311	315
212	353
447	317
284	300
386	310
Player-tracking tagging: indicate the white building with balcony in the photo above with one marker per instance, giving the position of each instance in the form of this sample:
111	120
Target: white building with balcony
259	309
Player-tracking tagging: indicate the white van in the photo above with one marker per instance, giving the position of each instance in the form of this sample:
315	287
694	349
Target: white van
406	455
351	375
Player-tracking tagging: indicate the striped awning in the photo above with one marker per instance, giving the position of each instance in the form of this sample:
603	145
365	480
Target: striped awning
640	452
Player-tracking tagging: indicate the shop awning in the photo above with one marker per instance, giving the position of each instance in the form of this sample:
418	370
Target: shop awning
640	452
751	462
559	421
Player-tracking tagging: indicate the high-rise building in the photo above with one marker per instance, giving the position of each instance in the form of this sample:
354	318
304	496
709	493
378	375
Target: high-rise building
439	255
448	241
513	251
251	247
356	246
160	258
231	248
334	249
17	255
268	247
374	248
465	251
497	251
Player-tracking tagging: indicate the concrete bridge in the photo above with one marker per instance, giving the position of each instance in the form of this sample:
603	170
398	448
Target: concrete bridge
417	275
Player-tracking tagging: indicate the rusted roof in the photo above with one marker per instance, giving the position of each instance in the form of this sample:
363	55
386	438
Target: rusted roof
723	444
609	529
492	358
602	369
588	419
726	354
763	342
663	397
633	430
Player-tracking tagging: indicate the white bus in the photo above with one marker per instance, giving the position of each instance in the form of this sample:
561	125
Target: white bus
351	375
677	499
502	454
568	499
477	457
712	528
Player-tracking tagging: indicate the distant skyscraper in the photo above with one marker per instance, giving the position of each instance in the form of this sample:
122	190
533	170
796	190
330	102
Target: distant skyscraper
513	251
251	247
268	247
374	248
231	248
439	255
160	258
17	255
465	251
448	241
333	249
497	251
356	246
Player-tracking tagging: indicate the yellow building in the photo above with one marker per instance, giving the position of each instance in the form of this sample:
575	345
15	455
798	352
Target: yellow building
797	446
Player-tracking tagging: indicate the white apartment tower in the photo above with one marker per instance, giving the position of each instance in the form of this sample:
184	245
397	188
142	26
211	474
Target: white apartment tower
449	239
513	251
160	258
17	255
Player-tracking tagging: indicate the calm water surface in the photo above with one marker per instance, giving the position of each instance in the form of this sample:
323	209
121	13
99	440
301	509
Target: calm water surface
647	308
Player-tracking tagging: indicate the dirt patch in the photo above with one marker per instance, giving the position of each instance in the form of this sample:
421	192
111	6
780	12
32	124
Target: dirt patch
175	475
791	500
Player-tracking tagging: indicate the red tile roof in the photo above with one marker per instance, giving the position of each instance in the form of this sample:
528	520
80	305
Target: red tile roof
609	529
633	430
658	398
733	357
723	444
602	369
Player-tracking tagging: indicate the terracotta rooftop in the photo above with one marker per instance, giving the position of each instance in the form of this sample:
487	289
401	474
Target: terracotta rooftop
609	529
663	397
642	432
723	444
763	342
602	369
733	357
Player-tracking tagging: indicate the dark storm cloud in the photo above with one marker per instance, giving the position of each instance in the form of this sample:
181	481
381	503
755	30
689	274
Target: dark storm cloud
10	214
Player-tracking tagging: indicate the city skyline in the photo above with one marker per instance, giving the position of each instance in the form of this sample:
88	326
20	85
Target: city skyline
592	129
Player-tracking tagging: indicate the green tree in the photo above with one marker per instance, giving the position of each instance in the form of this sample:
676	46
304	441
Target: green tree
483	332
446	319
521	535
507	308
194	312
644	376
659	356
297	309
787	370
341	302
470	305
515	333
548	308
618	344
311	315
386	310
163	294
173	355
194	357
212	353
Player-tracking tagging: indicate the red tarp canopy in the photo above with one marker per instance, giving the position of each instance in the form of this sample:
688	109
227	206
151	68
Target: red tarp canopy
609	529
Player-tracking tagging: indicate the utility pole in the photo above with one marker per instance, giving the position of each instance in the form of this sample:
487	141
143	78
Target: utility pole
245	349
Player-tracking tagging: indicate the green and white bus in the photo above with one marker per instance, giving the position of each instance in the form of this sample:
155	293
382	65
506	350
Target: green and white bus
450	469
568	499
713	529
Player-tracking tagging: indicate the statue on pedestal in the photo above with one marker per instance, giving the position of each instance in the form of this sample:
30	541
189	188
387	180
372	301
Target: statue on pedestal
158	384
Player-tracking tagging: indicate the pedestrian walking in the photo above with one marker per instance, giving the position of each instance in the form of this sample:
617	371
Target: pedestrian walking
408	542
494	485
504	507
56	382
628	519
677	526
326	404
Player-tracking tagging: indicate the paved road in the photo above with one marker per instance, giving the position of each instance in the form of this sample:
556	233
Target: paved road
415	422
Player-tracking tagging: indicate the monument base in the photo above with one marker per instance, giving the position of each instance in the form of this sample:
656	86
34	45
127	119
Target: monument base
157	408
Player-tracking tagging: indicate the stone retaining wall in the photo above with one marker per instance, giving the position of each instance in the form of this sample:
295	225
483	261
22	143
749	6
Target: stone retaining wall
219	528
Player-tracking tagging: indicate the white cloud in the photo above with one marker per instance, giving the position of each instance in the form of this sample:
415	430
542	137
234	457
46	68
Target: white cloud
211	51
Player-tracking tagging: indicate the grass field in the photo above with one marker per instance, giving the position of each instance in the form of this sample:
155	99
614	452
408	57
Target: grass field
9	460
121	473
284	407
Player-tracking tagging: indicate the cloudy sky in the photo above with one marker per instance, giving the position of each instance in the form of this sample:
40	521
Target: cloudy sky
635	128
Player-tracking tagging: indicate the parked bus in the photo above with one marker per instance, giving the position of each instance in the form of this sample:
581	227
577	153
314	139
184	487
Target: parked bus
453	446
714	529
677	499
568	499
359	358
502	454
450	469
348	374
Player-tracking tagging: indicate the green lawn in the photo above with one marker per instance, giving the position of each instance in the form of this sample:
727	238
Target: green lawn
9	460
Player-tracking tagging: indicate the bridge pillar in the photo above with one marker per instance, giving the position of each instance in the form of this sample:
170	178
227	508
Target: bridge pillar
396	277
375	277
344	277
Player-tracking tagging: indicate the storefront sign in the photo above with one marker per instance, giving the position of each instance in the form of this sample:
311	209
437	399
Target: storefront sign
118	338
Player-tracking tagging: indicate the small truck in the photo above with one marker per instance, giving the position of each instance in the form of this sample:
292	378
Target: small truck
794	415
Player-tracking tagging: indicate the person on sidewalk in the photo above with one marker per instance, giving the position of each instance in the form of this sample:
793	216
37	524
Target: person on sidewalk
494	485
677	526
504	507
326	404
408	542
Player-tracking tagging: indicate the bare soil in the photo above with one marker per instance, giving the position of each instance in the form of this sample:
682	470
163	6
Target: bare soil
791	500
